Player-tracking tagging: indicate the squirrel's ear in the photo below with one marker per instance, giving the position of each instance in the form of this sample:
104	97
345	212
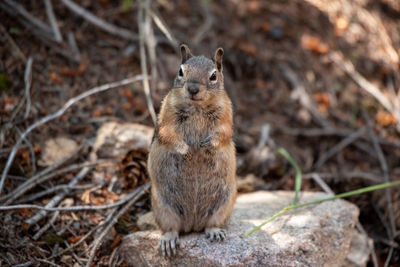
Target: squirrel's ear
218	58
185	53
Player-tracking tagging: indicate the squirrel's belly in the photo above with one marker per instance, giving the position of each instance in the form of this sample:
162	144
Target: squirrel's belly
194	185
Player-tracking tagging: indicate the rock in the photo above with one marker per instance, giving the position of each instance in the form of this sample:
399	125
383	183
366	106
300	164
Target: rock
116	139
360	249
318	235
147	222
57	149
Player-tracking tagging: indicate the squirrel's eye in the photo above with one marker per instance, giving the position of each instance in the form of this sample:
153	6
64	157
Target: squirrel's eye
213	76
180	72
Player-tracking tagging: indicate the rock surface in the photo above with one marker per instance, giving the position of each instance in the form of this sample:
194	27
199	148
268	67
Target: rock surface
318	235
116	139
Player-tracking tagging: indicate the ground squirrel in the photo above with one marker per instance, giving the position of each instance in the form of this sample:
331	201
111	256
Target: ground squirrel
192	162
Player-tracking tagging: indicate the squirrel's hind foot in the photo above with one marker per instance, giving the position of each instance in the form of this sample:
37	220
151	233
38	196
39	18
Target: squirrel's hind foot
168	244
215	234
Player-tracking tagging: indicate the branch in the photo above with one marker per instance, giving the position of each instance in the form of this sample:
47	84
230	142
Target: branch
28	81
139	192
53	21
60	112
342	144
143	62
98	22
348	67
73	208
57	198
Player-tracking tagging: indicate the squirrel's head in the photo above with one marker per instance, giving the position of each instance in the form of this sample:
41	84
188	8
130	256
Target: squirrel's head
199	77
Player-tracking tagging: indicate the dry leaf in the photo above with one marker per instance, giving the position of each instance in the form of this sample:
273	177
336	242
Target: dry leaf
109	110
55	77
85	197
322	98
248	48
385	118
127	106
265	26
254	5
97	112
314	44
127	93
116	241
75	72
56	149
25	156
341	25
26	212
74	239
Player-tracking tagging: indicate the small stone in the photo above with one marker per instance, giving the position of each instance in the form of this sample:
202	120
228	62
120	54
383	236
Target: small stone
116	139
147	222
317	235
56	149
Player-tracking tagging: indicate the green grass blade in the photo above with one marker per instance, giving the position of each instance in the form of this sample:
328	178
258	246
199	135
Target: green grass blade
289	158
342	195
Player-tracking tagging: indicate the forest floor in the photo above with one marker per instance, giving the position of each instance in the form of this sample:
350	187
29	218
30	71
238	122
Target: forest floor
317	77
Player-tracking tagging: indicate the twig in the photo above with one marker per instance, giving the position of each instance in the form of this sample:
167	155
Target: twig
205	27
31	151
98	22
46	226
56	199
52	190
74	46
300	93
150	40
40	178
25	264
342	144
143	64
53	21
47	262
163	28
350	175
14	8
13	44
385	170
28	80
73	208
348	67
313	132
96	243
322	184
58	114
264	136
77	243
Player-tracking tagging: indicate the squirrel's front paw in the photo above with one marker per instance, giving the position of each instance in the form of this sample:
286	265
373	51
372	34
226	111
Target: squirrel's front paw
182	148
215	234
209	141
168	243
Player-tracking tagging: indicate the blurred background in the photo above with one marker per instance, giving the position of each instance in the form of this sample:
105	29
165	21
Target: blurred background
317	77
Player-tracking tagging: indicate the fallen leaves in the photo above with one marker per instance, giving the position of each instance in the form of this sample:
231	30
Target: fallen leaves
324	101
57	149
385	118
314	43
341	25
74	239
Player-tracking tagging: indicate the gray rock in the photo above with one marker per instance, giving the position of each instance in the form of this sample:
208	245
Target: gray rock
116	139
147	222
318	235
360	249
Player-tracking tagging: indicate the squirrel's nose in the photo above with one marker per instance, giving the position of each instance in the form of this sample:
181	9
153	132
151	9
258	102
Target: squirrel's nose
193	88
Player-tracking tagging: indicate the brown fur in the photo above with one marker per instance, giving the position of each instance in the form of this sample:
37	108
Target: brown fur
192	160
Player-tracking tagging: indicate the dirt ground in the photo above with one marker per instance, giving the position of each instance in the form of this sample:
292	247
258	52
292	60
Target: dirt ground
285	70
